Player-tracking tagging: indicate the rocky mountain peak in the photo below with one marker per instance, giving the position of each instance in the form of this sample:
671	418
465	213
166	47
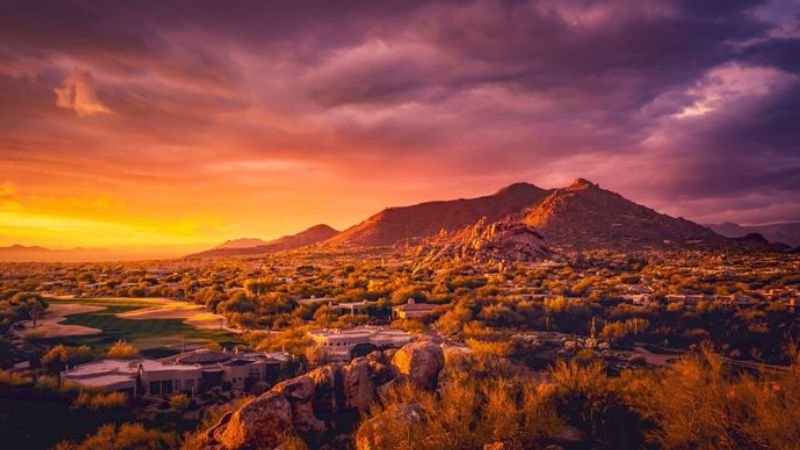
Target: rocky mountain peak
581	184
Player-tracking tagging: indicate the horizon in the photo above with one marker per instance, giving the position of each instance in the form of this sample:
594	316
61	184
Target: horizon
177	250
189	125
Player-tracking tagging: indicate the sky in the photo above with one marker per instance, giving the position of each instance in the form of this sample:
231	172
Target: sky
185	123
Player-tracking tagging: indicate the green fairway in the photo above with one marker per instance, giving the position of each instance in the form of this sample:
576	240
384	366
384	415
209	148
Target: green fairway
145	334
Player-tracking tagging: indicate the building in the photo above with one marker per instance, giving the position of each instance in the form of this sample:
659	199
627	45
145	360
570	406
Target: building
190	373
313	300
413	310
352	307
339	344
637	299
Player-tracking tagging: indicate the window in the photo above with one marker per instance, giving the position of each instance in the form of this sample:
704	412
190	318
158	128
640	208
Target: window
177	385
166	386
189	385
155	387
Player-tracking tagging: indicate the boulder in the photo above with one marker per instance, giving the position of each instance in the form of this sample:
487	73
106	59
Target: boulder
328	391
420	363
361	379
262	423
299	391
333	392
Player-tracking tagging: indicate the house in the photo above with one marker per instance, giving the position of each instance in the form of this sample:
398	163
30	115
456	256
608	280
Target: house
339	344
189	372
413	310
638	299
352	307
736	299
688	300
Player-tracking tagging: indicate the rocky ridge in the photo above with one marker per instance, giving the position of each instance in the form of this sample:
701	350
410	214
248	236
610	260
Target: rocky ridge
583	215
407	223
326	401
486	242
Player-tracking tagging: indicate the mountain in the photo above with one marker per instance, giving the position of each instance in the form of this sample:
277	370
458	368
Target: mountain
583	215
485	242
236	247
785	233
22	253
398	224
242	243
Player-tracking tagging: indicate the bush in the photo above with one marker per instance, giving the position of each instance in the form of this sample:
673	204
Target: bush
95	401
179	402
122	350
8	378
128	436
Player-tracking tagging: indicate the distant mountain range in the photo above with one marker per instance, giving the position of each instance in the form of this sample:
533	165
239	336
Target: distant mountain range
522	221
251	246
579	216
514	220
22	253
785	233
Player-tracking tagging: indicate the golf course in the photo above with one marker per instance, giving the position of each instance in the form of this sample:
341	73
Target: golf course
155	326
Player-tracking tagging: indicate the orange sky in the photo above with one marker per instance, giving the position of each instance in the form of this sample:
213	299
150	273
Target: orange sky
190	123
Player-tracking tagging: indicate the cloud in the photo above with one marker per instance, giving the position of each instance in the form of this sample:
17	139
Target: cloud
77	93
684	105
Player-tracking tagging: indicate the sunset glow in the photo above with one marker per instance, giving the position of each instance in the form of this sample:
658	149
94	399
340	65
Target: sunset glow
191	124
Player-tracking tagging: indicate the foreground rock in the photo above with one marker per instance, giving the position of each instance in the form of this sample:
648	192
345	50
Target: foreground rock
419	363
262	423
326	402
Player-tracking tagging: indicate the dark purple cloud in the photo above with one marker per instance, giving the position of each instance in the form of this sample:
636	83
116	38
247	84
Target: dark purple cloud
691	106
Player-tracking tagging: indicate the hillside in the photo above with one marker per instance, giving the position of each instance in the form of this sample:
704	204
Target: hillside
313	235
242	243
785	233
583	215
485	242
397	224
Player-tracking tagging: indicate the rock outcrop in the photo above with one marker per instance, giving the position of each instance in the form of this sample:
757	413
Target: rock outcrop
312	405
299	392
419	363
261	423
486	242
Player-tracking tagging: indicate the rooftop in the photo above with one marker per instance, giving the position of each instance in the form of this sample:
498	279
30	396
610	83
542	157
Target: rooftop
203	357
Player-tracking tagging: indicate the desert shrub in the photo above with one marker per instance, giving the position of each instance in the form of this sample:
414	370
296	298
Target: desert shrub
179	402
587	399
99	400
128	436
293	340
698	403
122	350
467	412
61	356
8	378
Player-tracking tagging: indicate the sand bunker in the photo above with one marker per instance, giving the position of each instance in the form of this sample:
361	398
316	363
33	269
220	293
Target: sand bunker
49	326
172	310
194	315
